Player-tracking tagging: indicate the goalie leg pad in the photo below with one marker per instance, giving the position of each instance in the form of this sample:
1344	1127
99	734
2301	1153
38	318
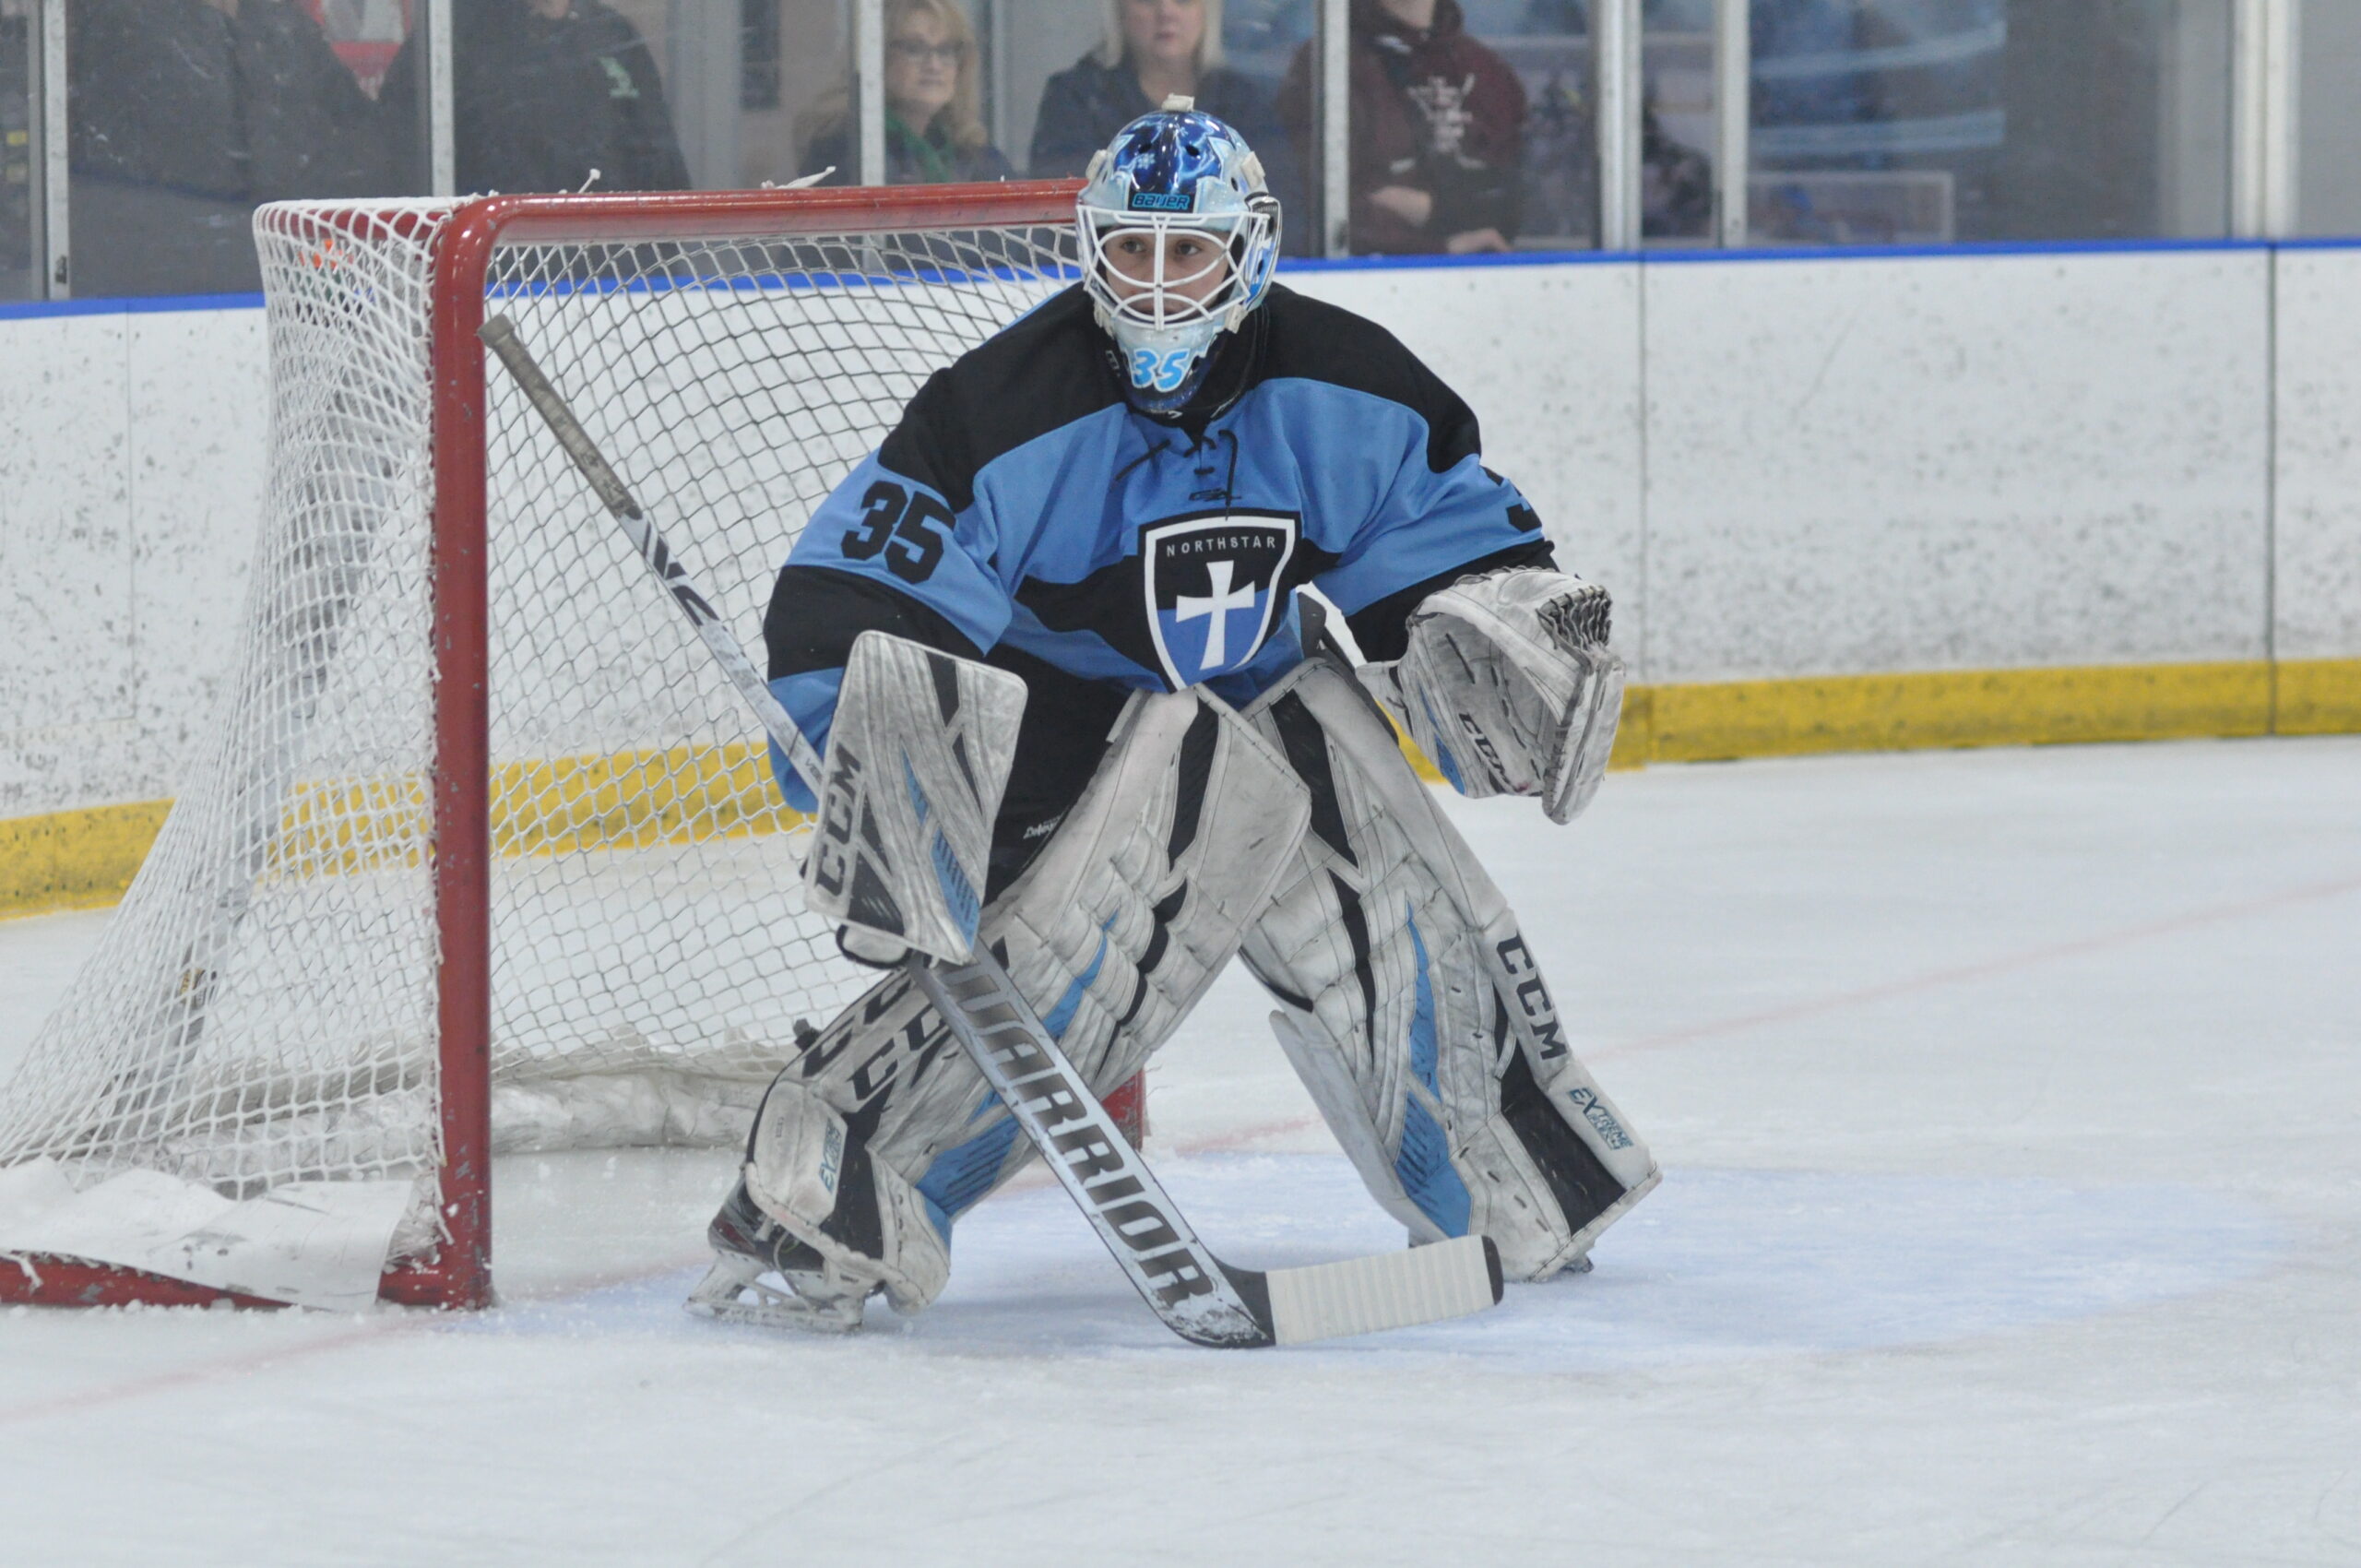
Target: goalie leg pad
1135	905
918	756
1143	895
1413	1011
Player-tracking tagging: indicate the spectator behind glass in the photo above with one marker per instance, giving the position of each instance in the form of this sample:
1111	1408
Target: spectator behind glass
1437	130
1675	182
183	116
543	92
1152	49
934	130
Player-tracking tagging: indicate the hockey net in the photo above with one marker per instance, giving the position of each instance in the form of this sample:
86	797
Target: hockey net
485	856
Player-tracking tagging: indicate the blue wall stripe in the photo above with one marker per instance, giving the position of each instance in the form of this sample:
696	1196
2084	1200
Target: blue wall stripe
1698	255
1708	256
146	304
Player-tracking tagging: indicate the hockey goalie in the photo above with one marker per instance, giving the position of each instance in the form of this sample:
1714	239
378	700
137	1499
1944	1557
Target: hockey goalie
1050	628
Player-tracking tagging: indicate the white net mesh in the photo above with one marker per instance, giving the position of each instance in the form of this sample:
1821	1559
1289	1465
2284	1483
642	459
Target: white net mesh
262	1009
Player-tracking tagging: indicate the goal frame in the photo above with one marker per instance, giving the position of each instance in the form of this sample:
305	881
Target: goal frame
458	1273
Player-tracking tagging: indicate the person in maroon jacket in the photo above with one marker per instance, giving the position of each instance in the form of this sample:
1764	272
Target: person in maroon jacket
1437	129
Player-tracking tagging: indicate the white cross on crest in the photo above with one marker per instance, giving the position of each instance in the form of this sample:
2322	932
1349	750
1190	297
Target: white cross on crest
1190	607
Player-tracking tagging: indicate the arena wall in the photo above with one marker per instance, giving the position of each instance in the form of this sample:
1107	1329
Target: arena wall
2316	543
1845	500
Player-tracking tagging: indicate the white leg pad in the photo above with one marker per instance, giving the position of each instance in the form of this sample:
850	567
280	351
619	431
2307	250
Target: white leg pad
1404	976
1112	933
1324	1073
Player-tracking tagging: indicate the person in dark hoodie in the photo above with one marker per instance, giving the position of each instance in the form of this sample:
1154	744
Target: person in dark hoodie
1152	49
544	91
183	116
1437	131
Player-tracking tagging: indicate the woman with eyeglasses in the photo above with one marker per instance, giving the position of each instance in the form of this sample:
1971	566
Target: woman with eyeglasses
1152	49
934	130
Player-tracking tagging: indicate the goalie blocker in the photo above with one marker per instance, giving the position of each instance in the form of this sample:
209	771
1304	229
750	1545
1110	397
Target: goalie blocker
916	762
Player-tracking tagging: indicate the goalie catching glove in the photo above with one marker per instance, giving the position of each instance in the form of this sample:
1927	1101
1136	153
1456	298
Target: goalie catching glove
1507	684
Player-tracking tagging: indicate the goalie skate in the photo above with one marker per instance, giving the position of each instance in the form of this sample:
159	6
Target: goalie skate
762	1275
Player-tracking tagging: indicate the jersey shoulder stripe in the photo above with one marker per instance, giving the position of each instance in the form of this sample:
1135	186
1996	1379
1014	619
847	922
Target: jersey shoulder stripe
1042	372
1308	340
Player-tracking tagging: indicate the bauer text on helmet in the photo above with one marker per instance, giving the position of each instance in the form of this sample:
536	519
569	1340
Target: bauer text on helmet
1179	234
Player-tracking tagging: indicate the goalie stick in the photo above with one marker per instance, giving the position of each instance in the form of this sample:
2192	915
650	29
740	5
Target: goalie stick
1201	1299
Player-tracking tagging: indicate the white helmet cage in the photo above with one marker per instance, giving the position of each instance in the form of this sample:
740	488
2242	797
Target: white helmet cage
1172	173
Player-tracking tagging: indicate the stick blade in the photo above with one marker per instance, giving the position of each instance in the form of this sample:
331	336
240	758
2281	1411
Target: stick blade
1426	1284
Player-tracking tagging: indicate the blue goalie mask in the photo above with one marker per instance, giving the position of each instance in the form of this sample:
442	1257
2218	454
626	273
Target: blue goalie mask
1180	233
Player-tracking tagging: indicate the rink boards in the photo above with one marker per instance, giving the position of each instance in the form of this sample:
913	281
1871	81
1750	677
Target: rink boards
1843	502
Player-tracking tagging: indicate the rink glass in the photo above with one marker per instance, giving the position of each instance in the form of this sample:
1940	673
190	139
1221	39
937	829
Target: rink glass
20	186
1927	121
182	118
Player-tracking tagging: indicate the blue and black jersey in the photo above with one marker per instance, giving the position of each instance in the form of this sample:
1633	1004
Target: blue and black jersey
1024	513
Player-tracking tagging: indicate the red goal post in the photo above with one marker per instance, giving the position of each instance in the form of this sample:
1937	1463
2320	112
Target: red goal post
477	231
311	825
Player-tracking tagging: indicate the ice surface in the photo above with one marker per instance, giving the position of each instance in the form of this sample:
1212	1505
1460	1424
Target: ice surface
2011	1107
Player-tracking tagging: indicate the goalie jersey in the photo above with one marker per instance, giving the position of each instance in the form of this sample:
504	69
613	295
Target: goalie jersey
1025	513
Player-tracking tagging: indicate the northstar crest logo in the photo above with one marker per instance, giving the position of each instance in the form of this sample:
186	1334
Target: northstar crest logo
1213	582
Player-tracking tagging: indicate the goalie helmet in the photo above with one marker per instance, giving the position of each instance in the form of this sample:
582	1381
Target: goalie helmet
1171	174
